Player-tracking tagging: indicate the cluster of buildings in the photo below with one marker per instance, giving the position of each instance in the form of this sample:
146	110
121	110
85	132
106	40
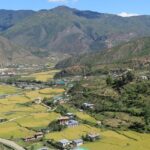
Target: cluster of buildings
37	136
6	72
68	120
67	143
60	99
29	85
77	142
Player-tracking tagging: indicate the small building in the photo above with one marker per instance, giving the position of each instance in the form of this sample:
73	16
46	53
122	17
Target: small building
144	77
77	142
60	82
29	139
39	135
99	123
38	100
63	120
70	115
93	137
58	99
72	123
62	102
64	143
88	105
44	148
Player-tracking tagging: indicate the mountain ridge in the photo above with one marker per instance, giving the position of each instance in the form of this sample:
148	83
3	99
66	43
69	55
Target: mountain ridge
68	30
13	53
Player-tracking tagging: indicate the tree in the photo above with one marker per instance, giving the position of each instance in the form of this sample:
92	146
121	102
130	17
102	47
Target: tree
129	76
109	80
147	113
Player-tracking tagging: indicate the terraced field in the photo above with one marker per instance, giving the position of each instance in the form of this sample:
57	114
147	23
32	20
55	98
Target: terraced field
110	140
6	89
43	76
24	119
124	141
72	133
21	118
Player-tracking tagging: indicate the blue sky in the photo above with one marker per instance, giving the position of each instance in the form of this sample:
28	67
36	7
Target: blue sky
107	6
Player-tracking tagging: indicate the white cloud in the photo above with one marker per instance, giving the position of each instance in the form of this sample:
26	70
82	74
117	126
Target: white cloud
125	14
62	1
53	1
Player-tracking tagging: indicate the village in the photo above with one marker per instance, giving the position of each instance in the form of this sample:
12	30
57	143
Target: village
61	126
64	121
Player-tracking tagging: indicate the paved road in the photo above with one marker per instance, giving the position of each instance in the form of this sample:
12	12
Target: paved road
11	144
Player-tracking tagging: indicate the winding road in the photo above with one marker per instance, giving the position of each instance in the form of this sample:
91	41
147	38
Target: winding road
11	144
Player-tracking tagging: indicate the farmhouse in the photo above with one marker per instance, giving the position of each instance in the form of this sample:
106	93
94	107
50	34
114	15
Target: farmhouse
72	123
77	142
88	105
63	120
64	143
93	136
99	123
70	115
58	99
29	139
37	136
144	77
38	100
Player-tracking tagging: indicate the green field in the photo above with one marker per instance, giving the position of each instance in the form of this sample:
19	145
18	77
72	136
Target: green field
6	89
114	141
110	140
21	118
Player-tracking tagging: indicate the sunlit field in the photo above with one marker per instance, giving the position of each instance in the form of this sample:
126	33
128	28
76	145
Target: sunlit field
23	118
72	133
114	141
43	76
6	89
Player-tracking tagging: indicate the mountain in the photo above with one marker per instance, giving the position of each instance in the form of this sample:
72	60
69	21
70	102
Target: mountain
9	18
12	53
138	49
72	31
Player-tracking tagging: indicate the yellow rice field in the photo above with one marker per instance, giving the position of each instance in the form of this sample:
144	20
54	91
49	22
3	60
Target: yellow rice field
6	89
113	141
44	76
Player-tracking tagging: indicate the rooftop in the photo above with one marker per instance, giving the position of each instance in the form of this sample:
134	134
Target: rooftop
78	141
64	141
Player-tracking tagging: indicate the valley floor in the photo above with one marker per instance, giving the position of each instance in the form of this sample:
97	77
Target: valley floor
24	118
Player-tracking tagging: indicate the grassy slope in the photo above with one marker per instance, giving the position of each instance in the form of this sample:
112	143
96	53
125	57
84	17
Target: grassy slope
13	53
116	110
4	89
135	49
36	116
8	18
